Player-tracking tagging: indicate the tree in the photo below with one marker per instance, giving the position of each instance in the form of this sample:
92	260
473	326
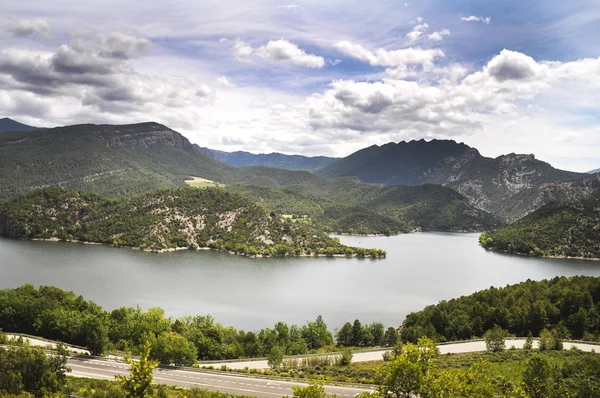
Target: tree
313	390
346	358
357	333
172	348
95	333
275	357
391	337
474	382
377	331
495	339
539	378
403	377
529	342
138	383
344	335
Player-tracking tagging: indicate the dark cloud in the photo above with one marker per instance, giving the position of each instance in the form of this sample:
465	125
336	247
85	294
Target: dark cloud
511	65
29	27
122	46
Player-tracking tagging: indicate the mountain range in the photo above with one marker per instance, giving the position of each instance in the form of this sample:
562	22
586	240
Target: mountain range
7	124
594	171
278	160
505	186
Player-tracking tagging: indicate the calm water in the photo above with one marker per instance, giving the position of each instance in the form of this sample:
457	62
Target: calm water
421	269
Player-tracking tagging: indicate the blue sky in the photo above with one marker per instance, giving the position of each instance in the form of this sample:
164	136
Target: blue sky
315	77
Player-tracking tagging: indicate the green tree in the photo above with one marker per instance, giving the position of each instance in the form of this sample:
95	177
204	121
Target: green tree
539	378
529	342
495	339
357	333
275	357
173	349
138	383
391	337
346	357
404	375
344	335
378	332
95	334
313	390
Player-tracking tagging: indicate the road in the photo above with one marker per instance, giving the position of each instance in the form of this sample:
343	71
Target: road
368	356
239	385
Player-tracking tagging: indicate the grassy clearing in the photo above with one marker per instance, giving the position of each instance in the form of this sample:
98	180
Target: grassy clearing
199	182
297	219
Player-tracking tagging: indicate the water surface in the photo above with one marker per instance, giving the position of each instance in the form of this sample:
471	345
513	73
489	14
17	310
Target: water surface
421	269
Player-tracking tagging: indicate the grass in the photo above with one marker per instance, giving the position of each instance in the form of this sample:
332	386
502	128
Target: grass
199	182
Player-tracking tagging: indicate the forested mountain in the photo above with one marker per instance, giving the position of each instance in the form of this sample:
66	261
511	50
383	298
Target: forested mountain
571	306
503	186
558	229
7	124
348	205
169	219
278	160
108	159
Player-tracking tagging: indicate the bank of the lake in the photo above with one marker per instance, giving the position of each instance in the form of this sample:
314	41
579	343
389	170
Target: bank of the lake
420	269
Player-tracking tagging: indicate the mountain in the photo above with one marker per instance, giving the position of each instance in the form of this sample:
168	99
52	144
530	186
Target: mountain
498	185
278	160
594	171
558	229
108	159
171	219
7	124
349	205
127	160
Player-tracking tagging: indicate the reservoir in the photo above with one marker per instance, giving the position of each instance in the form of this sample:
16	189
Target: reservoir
420	269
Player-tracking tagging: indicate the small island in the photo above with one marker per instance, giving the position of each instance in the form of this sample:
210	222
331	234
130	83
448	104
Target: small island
168	220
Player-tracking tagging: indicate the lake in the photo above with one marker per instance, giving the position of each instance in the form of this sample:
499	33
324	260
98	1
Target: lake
421	269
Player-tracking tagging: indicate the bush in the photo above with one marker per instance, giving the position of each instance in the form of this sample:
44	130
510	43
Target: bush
346	358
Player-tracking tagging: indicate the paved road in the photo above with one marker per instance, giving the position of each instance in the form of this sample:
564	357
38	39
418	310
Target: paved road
455	348
239	385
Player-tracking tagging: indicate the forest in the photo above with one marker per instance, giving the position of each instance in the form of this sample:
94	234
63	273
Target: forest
568	307
56	314
167	219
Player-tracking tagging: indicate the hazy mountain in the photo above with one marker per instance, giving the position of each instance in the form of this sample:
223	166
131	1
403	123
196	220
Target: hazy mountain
278	160
108	159
7	124
497	185
557	229
594	171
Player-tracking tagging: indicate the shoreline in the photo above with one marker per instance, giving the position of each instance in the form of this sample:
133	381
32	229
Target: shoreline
175	249
546	257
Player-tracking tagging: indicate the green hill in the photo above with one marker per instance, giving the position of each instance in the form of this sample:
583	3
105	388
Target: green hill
504	186
558	229
108	159
164	220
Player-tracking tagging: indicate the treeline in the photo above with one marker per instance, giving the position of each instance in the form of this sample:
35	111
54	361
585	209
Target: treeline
55	314
557	229
167	219
568	306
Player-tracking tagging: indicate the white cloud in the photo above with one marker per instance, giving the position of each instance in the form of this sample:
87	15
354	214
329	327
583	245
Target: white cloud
283	50
289	6
417	32
224	81
393	58
473	18
29	27
242	50
439	35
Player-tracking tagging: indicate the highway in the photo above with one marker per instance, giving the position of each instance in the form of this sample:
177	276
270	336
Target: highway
239	385
367	356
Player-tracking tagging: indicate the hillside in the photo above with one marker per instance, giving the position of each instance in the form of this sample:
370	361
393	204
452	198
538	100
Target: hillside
499	186
164	220
7	124
558	229
278	160
108	159
345	203
594	171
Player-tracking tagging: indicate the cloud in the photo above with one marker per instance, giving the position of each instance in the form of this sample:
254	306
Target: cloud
277	51
223	81
393	58
417	32
473	18
122	46
511	65
439	35
289	6
283	50
29	27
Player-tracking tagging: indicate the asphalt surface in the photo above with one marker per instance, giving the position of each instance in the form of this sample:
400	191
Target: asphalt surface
239	385
453	348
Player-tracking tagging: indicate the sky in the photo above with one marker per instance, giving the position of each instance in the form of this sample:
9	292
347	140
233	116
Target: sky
324	77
